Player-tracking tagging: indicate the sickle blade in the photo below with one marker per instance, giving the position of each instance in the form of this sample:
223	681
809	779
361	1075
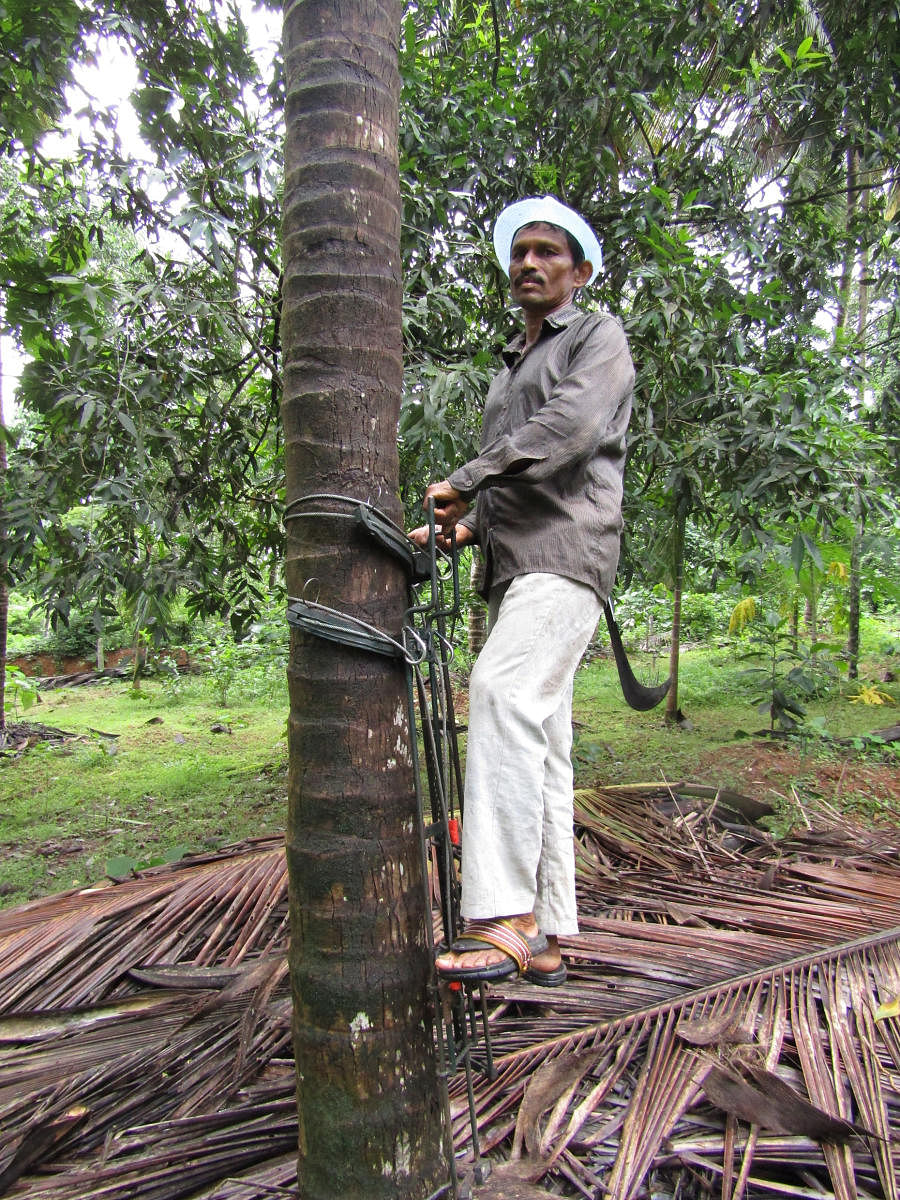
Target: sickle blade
636	695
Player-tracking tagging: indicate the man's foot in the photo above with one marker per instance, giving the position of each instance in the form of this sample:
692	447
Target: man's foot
498	949
550	960
547	969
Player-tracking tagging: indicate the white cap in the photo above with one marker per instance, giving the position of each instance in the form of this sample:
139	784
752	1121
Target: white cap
551	211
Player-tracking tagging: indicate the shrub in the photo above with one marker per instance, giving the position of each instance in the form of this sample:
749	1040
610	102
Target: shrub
25	627
704	615
646	614
251	667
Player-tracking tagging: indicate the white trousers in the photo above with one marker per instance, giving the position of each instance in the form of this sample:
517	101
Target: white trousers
518	851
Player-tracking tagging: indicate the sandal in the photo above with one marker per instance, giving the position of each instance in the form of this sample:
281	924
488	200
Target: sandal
503	935
553	978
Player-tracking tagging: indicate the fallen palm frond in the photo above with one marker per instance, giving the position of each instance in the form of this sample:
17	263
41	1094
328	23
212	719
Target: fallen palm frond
717	1034
728	959
76	949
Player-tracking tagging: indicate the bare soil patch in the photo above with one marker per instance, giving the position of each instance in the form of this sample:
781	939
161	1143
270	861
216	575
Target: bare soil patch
773	771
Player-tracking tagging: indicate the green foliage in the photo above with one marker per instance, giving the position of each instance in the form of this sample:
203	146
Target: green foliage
75	637
438	425
809	580
247	666
123	866
20	692
793	673
645	614
152	387
37	45
25	625
704	615
708	146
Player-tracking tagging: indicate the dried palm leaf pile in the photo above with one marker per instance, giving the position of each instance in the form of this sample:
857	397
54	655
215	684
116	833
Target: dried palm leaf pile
727	1027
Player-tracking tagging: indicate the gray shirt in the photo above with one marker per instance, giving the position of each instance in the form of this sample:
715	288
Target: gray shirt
548	480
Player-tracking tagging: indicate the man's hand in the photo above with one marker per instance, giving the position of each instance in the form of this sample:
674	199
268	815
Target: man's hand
464	537
449	506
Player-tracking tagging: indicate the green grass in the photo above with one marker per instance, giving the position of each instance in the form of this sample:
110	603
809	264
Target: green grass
168	783
613	744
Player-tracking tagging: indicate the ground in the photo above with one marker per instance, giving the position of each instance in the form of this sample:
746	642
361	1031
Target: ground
783	774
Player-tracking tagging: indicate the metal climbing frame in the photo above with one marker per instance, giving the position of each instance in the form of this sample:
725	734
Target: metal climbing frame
426	647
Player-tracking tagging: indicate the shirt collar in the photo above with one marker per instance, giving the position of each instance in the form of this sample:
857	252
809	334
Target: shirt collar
559	319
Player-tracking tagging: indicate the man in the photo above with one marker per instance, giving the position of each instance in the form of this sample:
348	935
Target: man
547	488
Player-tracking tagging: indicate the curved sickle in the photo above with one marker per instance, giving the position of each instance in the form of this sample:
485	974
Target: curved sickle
636	694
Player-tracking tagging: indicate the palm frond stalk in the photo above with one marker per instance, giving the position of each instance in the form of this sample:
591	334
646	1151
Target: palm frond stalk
723	1031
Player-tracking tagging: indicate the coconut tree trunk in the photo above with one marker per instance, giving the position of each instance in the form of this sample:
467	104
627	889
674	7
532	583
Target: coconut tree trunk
367	1086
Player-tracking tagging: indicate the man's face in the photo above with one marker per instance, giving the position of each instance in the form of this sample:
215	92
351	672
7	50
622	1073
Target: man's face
542	275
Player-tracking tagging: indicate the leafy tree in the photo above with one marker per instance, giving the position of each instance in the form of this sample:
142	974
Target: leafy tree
154	386
664	124
37	48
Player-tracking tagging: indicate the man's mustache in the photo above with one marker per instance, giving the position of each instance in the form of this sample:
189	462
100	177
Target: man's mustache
524	275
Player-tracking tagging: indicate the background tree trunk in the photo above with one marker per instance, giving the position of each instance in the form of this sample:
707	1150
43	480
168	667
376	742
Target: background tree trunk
4	583
367	1087
673	713
855	196
858	512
